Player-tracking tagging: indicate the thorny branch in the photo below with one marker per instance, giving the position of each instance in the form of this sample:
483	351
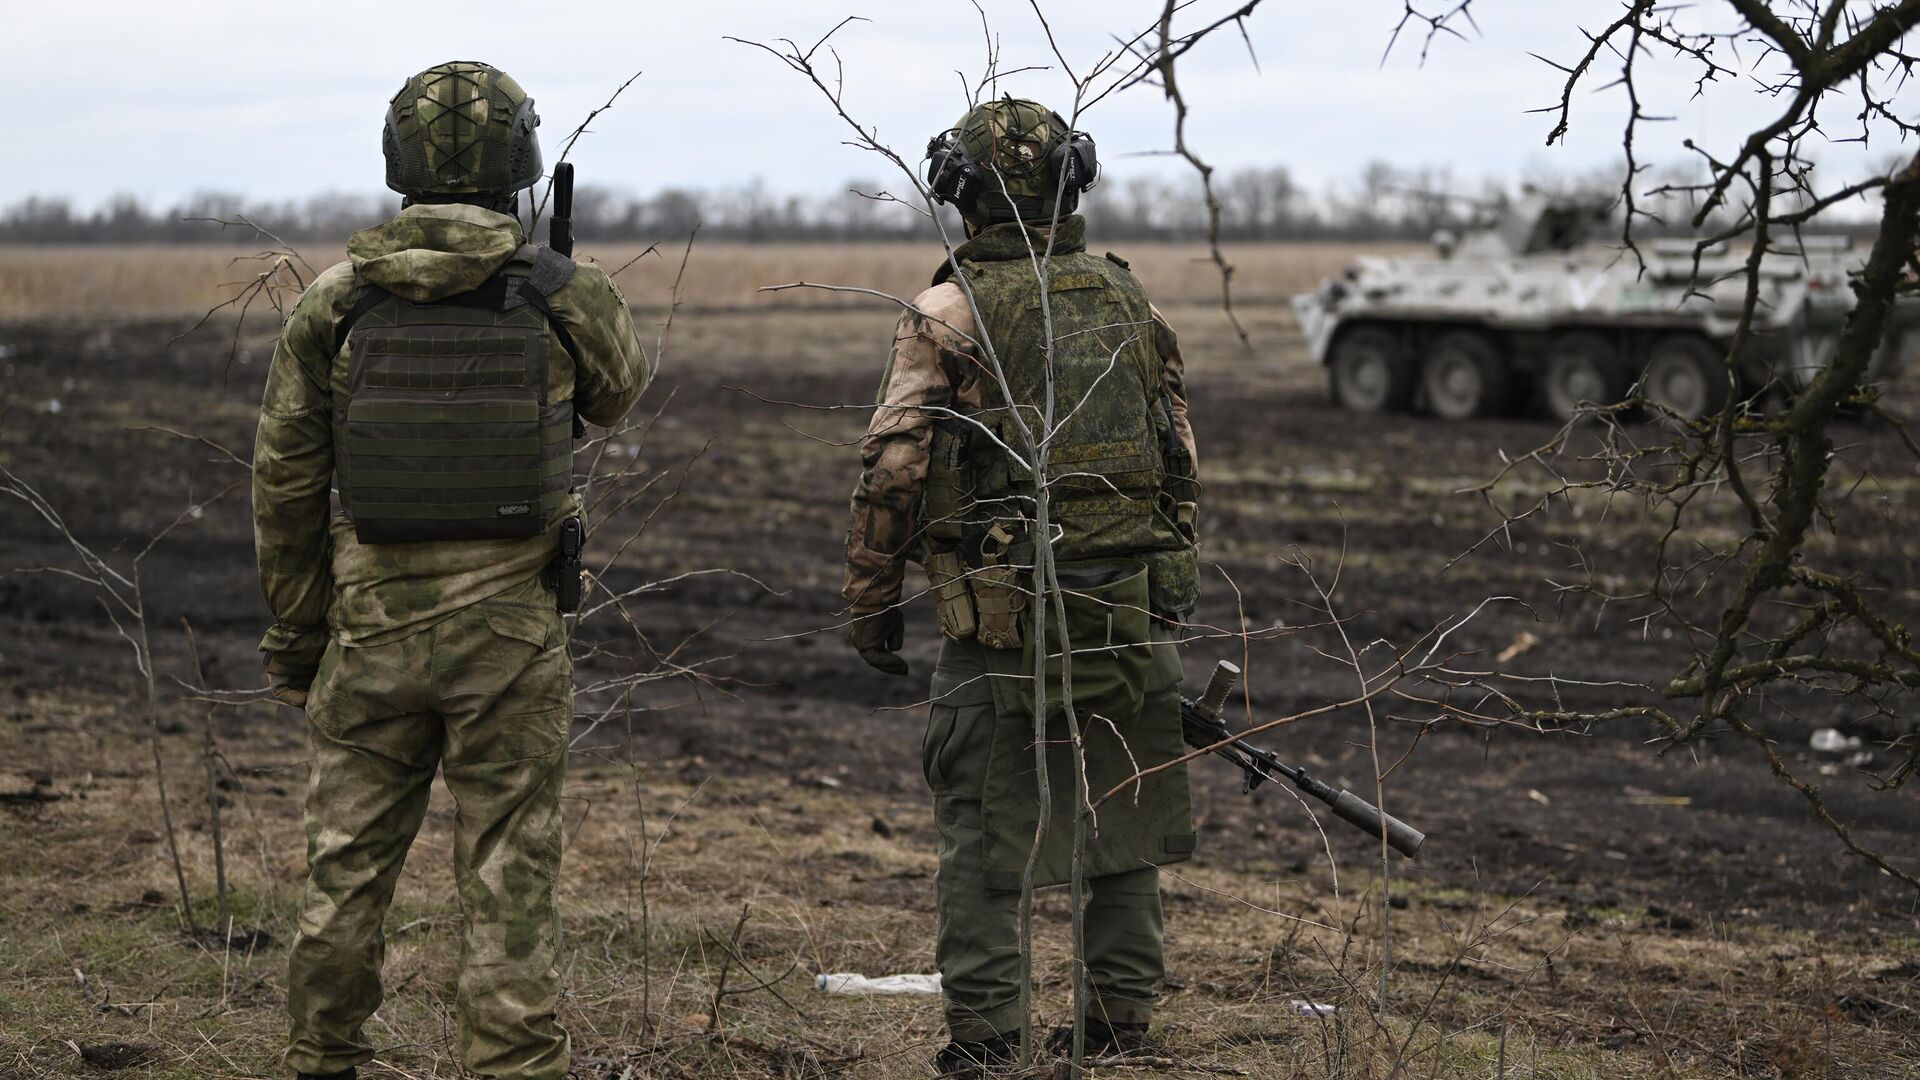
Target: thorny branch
1436	23
1768	612
566	148
1169	50
279	282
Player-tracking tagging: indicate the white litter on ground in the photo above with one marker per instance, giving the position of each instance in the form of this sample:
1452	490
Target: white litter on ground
854	984
1829	741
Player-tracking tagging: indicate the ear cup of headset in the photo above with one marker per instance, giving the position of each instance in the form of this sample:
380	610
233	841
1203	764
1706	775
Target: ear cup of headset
952	174
1076	164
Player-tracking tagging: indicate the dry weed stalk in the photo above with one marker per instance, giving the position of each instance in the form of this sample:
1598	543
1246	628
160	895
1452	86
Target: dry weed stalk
210	758
118	592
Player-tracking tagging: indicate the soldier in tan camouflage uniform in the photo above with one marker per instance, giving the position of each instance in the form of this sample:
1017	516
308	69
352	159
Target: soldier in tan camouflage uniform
939	487
431	380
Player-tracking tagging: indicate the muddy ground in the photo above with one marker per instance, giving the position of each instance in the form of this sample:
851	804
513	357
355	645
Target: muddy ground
1705	923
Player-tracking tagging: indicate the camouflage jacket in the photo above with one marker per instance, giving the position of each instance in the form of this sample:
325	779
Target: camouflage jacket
320	581
936	365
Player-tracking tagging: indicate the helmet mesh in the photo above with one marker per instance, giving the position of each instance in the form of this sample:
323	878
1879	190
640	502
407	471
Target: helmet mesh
462	128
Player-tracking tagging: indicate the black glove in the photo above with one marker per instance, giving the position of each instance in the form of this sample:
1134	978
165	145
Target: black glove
878	638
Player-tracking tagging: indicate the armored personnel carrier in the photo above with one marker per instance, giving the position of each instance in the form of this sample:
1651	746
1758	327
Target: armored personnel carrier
1526	310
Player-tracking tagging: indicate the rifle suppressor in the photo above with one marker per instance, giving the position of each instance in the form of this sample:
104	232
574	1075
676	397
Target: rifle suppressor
1203	727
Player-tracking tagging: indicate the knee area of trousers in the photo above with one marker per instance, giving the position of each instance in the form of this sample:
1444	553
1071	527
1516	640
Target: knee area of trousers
957	812
1144	881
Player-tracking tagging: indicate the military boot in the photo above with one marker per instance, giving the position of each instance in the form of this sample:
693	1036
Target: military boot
1103	1039
345	1074
975	1060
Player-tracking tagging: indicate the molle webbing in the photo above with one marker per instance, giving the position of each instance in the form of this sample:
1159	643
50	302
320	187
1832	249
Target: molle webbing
446	432
549	271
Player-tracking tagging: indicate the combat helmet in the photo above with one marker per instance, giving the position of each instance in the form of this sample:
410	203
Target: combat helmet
1011	160
459	130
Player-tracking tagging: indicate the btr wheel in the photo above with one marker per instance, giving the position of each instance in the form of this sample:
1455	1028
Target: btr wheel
1465	376
1369	372
1686	376
1583	368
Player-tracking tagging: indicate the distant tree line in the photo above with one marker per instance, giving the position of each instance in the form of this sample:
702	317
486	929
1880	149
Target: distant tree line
1383	202
1256	204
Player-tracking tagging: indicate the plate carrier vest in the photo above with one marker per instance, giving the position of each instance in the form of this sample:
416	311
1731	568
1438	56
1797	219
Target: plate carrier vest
445	432
1121	481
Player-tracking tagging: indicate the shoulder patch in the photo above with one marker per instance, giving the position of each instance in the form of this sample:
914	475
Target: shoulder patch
1118	261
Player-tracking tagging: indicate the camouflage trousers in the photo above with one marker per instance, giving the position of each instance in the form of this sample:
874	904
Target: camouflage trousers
484	696
978	943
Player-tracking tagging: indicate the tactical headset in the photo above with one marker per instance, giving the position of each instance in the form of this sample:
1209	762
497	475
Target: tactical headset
955	178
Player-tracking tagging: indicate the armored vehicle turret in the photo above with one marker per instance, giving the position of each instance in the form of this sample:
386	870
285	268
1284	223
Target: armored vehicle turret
1527	309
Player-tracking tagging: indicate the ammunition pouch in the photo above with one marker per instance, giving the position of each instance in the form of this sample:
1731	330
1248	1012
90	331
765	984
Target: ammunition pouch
999	588
952	595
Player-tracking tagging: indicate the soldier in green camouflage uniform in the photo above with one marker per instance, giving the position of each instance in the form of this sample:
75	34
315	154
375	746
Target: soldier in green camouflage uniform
434	653
938	487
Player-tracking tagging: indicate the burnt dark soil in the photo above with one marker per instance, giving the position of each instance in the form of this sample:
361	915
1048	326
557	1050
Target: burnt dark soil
1571	815
1701	839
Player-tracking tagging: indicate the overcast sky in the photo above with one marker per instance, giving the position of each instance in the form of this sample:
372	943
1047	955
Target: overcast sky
284	100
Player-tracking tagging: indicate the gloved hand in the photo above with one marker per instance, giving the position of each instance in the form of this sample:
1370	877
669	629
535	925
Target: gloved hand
292	659
286	693
288	683
878	637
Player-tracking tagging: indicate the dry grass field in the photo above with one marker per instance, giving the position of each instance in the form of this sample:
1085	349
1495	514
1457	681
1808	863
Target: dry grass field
1584	910
143	281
